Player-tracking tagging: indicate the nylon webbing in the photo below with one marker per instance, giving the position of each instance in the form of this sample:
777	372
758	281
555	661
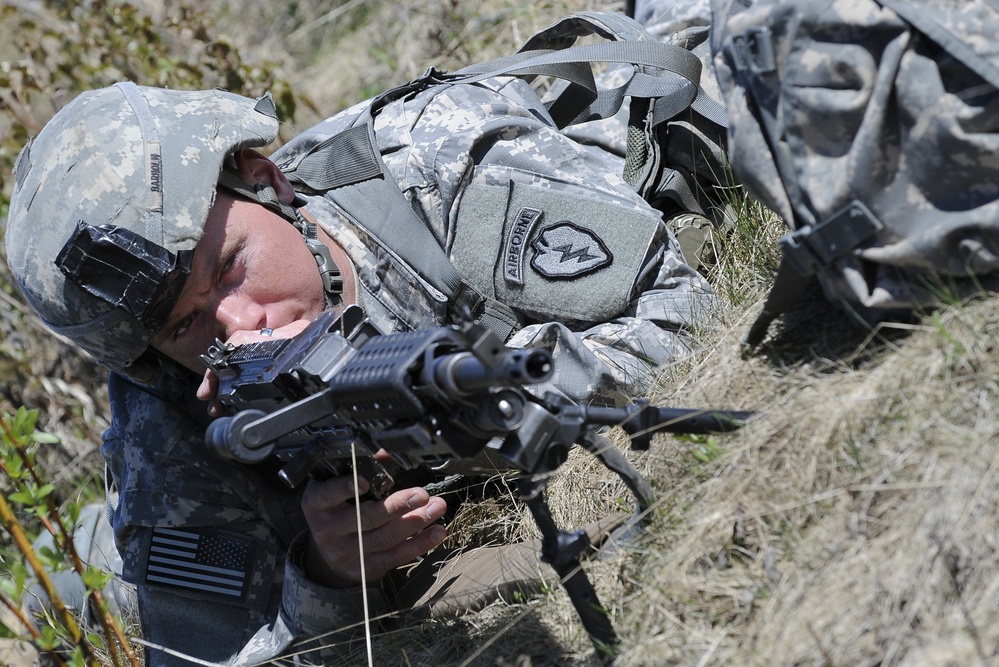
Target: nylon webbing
264	195
675	69
389	218
343	159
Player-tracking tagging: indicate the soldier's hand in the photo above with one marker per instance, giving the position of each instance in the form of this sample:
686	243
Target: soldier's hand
395	530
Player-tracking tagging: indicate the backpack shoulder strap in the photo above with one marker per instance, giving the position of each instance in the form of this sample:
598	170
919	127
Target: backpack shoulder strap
349	170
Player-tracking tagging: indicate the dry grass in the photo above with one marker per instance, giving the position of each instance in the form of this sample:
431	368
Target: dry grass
849	525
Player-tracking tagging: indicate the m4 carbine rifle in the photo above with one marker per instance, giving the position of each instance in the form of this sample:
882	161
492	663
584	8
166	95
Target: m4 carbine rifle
428	397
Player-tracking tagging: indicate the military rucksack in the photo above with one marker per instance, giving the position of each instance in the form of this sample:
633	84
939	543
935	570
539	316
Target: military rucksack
341	158
870	126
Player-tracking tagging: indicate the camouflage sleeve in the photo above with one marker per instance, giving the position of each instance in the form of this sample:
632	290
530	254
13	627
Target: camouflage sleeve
314	624
615	361
326	621
212	548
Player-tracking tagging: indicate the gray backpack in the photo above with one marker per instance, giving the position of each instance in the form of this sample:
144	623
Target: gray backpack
871	128
665	110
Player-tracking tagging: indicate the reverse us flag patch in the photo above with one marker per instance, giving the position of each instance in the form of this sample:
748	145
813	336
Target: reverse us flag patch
202	561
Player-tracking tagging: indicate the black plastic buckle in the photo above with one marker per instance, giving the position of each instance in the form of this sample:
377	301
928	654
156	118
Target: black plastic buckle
815	247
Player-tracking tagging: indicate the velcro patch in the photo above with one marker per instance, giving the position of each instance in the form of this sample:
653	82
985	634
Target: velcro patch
201	560
553	254
566	250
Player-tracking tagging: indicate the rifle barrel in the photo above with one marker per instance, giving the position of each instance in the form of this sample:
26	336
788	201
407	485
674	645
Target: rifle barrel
465	374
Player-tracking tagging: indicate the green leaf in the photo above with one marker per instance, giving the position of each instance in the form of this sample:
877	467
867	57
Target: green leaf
15	465
48	640
13	586
96	640
22	497
43	438
20	419
24	422
72	513
77	659
95	579
6	633
52	558
32	495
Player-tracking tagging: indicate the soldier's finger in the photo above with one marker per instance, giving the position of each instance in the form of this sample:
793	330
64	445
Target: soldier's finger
209	387
398	504
392	533
322	496
380	563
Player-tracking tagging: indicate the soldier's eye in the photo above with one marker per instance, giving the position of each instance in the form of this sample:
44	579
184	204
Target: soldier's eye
181	328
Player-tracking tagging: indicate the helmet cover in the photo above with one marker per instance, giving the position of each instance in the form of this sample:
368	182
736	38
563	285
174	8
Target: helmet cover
109	202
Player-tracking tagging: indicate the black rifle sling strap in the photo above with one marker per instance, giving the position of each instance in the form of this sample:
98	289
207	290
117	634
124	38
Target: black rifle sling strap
349	170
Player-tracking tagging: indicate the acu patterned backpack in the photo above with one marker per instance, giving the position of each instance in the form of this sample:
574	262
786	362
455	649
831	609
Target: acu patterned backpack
671	151
870	126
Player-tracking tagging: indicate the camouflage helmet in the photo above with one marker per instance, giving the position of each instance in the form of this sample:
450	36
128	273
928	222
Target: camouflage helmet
109	201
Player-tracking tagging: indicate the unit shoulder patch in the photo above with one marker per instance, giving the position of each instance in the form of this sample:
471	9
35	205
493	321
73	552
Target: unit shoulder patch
566	250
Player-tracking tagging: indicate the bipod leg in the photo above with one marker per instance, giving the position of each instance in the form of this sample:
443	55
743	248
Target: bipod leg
561	550
615	461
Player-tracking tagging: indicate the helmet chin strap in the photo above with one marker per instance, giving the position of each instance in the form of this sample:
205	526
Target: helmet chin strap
266	196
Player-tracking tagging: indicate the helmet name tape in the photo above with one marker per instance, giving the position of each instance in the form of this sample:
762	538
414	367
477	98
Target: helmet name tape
154	174
126	270
153	158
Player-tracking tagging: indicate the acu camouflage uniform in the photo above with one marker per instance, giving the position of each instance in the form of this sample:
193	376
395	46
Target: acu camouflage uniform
157	457
474	162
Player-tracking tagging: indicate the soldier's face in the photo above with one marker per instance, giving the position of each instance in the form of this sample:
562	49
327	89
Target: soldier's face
250	270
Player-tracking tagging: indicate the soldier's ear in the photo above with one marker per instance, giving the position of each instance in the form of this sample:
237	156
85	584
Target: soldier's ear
254	168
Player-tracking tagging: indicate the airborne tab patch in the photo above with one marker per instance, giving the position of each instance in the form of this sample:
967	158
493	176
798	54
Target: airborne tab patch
566	250
516	244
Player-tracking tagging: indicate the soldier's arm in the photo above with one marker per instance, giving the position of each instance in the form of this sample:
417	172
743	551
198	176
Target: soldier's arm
215	550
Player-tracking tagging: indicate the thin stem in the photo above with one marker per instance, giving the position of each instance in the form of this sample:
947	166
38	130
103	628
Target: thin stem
64	537
13	527
26	622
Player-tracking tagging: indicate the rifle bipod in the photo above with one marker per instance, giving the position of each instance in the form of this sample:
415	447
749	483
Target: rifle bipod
562	549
